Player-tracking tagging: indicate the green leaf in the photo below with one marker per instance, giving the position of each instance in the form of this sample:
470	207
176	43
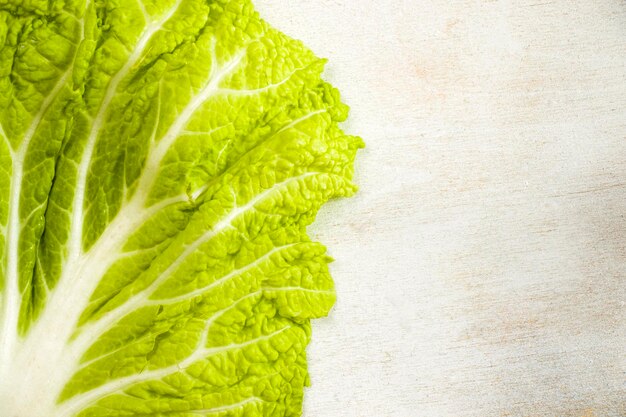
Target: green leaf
160	162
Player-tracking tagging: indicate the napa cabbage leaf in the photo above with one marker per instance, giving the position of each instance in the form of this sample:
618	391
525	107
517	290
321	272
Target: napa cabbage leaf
160	161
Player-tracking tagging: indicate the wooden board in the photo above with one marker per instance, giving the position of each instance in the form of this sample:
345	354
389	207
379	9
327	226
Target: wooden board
481	270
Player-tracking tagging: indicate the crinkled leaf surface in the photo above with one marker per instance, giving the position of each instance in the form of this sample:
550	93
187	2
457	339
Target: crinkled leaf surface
160	161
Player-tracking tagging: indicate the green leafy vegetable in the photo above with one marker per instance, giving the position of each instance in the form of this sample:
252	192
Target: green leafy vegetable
160	161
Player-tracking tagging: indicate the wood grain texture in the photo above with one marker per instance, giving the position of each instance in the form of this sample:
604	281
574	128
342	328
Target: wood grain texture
481	270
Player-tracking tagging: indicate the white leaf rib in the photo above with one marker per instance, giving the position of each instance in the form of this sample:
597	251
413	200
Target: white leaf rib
156	155
200	353
205	332
9	356
301	289
301	119
204	133
235	273
153	134
3	227
44	280
217	283
213	410
93	330
144	12
230	407
5	139
220	281
155	208
79	261
33	213
143	215
76	228
32	128
260	90
11	298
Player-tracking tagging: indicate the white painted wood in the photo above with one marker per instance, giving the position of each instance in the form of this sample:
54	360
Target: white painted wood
481	269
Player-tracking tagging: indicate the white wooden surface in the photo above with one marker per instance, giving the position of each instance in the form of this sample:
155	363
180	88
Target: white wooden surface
481	271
